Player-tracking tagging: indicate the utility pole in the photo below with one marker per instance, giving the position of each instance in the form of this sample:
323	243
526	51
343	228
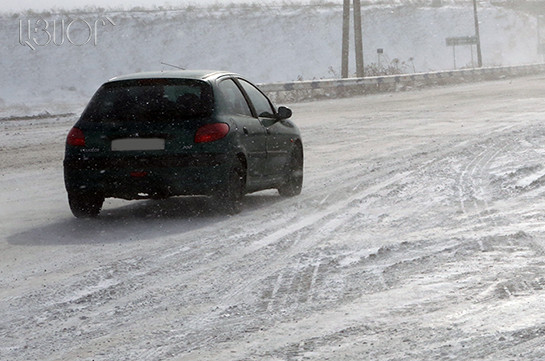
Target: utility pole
358	39
345	41
477	35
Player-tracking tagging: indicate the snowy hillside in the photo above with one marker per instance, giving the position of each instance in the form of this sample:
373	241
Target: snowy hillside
266	43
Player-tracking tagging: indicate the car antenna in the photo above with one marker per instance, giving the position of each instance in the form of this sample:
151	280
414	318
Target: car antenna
174	66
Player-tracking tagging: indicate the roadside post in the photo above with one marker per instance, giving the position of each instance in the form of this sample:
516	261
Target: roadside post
477	35
358	39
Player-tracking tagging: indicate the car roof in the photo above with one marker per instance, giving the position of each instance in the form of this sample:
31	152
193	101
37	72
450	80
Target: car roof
178	74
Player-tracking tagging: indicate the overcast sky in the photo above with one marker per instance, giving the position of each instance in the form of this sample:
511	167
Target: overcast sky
19	5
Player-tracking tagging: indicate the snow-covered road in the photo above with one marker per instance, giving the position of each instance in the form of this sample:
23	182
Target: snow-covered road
419	235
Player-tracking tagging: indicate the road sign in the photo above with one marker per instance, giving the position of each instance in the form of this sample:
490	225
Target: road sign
461	40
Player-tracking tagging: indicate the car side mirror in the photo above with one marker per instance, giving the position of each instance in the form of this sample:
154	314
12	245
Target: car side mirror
283	113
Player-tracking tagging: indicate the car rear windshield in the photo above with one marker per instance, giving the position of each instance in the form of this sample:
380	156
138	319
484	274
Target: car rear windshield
150	100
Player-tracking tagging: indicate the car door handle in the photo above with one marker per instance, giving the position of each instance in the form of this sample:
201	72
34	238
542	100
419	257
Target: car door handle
268	131
245	130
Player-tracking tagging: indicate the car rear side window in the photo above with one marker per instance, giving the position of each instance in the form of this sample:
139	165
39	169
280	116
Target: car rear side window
150	100
230	99
259	101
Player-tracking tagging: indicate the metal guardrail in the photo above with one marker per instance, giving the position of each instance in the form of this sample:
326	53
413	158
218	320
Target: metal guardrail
333	88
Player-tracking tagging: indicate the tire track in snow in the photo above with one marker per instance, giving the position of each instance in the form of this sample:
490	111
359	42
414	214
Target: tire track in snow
284	281
307	222
471	186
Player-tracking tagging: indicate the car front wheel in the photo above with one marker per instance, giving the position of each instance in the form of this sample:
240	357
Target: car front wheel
293	181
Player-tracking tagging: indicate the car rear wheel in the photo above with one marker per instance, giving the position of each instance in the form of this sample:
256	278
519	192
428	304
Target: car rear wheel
85	204
293	182
230	198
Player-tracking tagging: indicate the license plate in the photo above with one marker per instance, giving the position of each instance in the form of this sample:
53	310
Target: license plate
127	144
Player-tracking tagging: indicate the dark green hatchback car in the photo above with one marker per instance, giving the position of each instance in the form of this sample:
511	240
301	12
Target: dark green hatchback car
164	134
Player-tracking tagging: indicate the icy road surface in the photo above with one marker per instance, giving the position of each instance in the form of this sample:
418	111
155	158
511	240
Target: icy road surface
419	235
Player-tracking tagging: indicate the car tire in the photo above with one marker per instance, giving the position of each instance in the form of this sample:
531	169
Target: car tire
85	205
230	198
293	182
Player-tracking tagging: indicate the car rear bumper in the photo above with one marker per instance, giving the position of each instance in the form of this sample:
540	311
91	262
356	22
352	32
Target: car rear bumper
147	177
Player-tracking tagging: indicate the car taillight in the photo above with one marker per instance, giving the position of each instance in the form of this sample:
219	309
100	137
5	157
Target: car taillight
75	138
211	132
